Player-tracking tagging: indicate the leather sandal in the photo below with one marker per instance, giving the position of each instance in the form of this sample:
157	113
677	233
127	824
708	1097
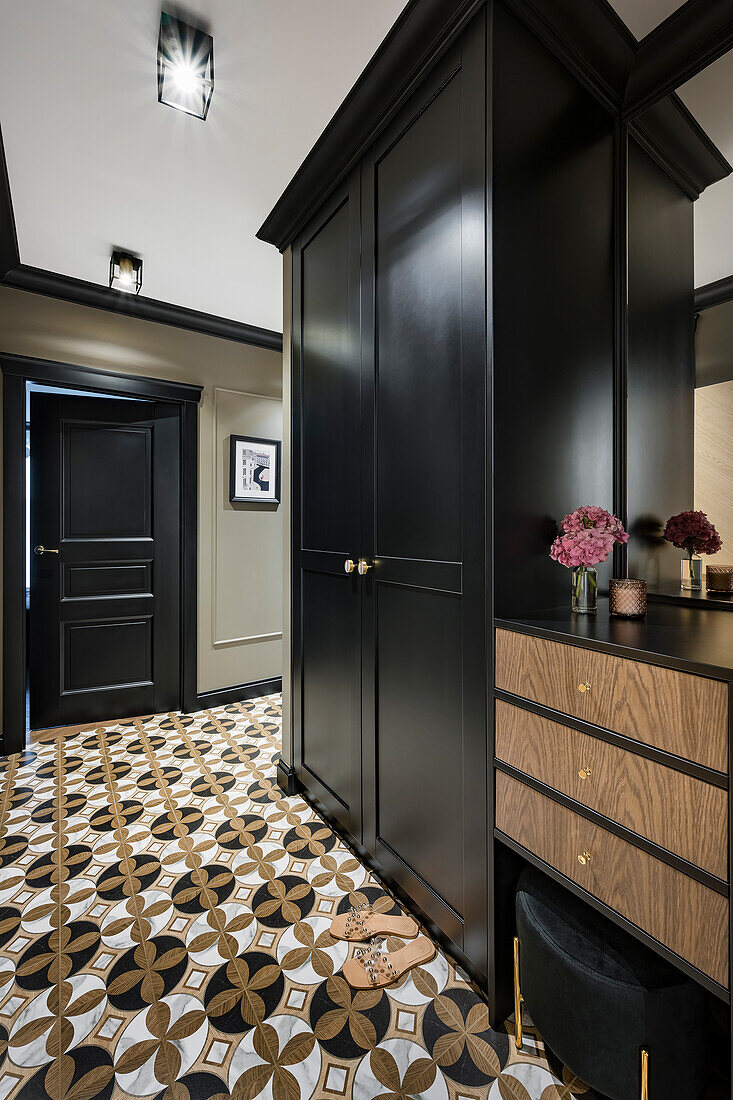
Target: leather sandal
362	923
374	969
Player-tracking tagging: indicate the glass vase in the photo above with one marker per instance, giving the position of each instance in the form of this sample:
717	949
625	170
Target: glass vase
585	590
692	573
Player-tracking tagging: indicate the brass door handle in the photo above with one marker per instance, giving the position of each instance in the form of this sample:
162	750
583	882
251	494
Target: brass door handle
584	773
584	687
584	858
363	567
43	550
349	566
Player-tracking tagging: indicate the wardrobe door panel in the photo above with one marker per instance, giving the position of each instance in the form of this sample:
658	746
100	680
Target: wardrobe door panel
419	759
424	608
332	690
330	409
327	509
418	397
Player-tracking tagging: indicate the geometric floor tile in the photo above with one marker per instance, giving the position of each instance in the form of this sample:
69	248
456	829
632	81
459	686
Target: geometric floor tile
166	934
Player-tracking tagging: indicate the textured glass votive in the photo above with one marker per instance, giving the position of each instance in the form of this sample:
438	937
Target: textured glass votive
627	599
719	578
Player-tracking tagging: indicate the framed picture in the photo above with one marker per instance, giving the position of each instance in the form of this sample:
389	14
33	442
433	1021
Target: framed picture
254	470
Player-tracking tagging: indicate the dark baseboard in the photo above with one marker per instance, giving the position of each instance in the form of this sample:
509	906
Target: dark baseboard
239	693
714	294
287	780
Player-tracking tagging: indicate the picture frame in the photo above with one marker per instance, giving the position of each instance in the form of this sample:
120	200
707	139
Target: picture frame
254	470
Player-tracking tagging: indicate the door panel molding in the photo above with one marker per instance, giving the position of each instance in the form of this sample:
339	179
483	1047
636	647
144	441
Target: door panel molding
183	399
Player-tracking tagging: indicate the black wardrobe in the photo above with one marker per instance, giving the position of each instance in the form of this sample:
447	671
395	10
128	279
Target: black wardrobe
458	341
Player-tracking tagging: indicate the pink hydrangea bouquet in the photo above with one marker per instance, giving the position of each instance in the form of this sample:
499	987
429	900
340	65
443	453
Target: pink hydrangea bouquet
693	532
587	538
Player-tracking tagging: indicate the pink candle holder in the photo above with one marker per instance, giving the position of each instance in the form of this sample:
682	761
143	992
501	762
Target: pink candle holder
627	598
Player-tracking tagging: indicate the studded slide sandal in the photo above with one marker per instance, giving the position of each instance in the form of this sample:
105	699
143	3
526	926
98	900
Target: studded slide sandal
363	923
374	969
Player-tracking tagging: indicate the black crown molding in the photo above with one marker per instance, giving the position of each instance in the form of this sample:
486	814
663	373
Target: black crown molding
714	294
694	36
675	140
83	293
586	35
15	274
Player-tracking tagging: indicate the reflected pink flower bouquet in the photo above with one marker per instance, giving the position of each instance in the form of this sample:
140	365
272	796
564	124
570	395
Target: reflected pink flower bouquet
693	532
587	538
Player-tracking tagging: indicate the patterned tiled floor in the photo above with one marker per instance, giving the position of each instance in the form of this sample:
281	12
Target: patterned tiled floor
164	916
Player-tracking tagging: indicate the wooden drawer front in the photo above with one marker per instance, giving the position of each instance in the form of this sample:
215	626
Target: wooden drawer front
683	814
689	918
682	714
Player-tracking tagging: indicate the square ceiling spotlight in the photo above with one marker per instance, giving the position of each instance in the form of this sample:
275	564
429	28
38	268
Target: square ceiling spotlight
125	272
185	66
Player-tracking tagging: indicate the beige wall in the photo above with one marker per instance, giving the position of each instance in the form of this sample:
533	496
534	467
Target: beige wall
240	546
714	462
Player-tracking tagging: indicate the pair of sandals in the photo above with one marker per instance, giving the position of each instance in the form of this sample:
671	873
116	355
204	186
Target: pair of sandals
371	968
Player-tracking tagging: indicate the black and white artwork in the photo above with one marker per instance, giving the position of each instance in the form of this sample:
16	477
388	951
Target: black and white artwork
254	470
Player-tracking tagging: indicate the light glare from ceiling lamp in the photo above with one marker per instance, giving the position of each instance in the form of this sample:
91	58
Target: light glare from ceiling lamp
185	66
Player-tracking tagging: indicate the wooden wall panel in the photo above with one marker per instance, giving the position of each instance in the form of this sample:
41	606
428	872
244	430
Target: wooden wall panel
714	462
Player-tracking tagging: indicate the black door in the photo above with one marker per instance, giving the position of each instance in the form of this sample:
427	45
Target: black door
425	597
105	559
327	510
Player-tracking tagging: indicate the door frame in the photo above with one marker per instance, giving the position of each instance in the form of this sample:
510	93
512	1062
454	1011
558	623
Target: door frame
16	371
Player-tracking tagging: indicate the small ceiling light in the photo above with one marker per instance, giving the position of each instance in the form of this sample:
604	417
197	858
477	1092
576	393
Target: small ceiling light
185	66
125	272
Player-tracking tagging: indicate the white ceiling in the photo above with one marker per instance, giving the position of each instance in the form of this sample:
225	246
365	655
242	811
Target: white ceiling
95	161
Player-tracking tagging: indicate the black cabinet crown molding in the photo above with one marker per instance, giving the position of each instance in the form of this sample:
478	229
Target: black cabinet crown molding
690	39
83	293
586	35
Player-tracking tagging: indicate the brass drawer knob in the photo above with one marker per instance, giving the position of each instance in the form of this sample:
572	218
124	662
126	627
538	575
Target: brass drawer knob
584	859
584	773
363	567
584	687
349	566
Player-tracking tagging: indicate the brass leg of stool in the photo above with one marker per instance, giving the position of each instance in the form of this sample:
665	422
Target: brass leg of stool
644	1075
518	1000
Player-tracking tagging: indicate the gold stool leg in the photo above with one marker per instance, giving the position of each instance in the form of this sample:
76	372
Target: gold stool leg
644	1075
518	1001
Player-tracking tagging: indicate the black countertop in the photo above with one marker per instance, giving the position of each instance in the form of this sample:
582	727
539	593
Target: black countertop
692	639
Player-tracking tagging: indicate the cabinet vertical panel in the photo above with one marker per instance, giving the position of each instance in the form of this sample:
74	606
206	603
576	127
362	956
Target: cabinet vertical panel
330	402
418	233
419	736
332	690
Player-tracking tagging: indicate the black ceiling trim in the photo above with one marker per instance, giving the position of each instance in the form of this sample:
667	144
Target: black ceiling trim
714	294
675	140
683	45
586	35
147	309
9	255
48	372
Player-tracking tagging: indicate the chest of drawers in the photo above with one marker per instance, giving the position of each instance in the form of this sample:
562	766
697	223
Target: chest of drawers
612	772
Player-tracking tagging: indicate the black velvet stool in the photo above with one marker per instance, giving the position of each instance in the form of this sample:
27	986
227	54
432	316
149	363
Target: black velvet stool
599	999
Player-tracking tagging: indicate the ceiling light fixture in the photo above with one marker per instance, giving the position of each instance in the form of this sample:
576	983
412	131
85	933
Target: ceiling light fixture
185	66
125	272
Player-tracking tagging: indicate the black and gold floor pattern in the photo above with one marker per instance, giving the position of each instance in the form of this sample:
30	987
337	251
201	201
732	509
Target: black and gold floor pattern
164	932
